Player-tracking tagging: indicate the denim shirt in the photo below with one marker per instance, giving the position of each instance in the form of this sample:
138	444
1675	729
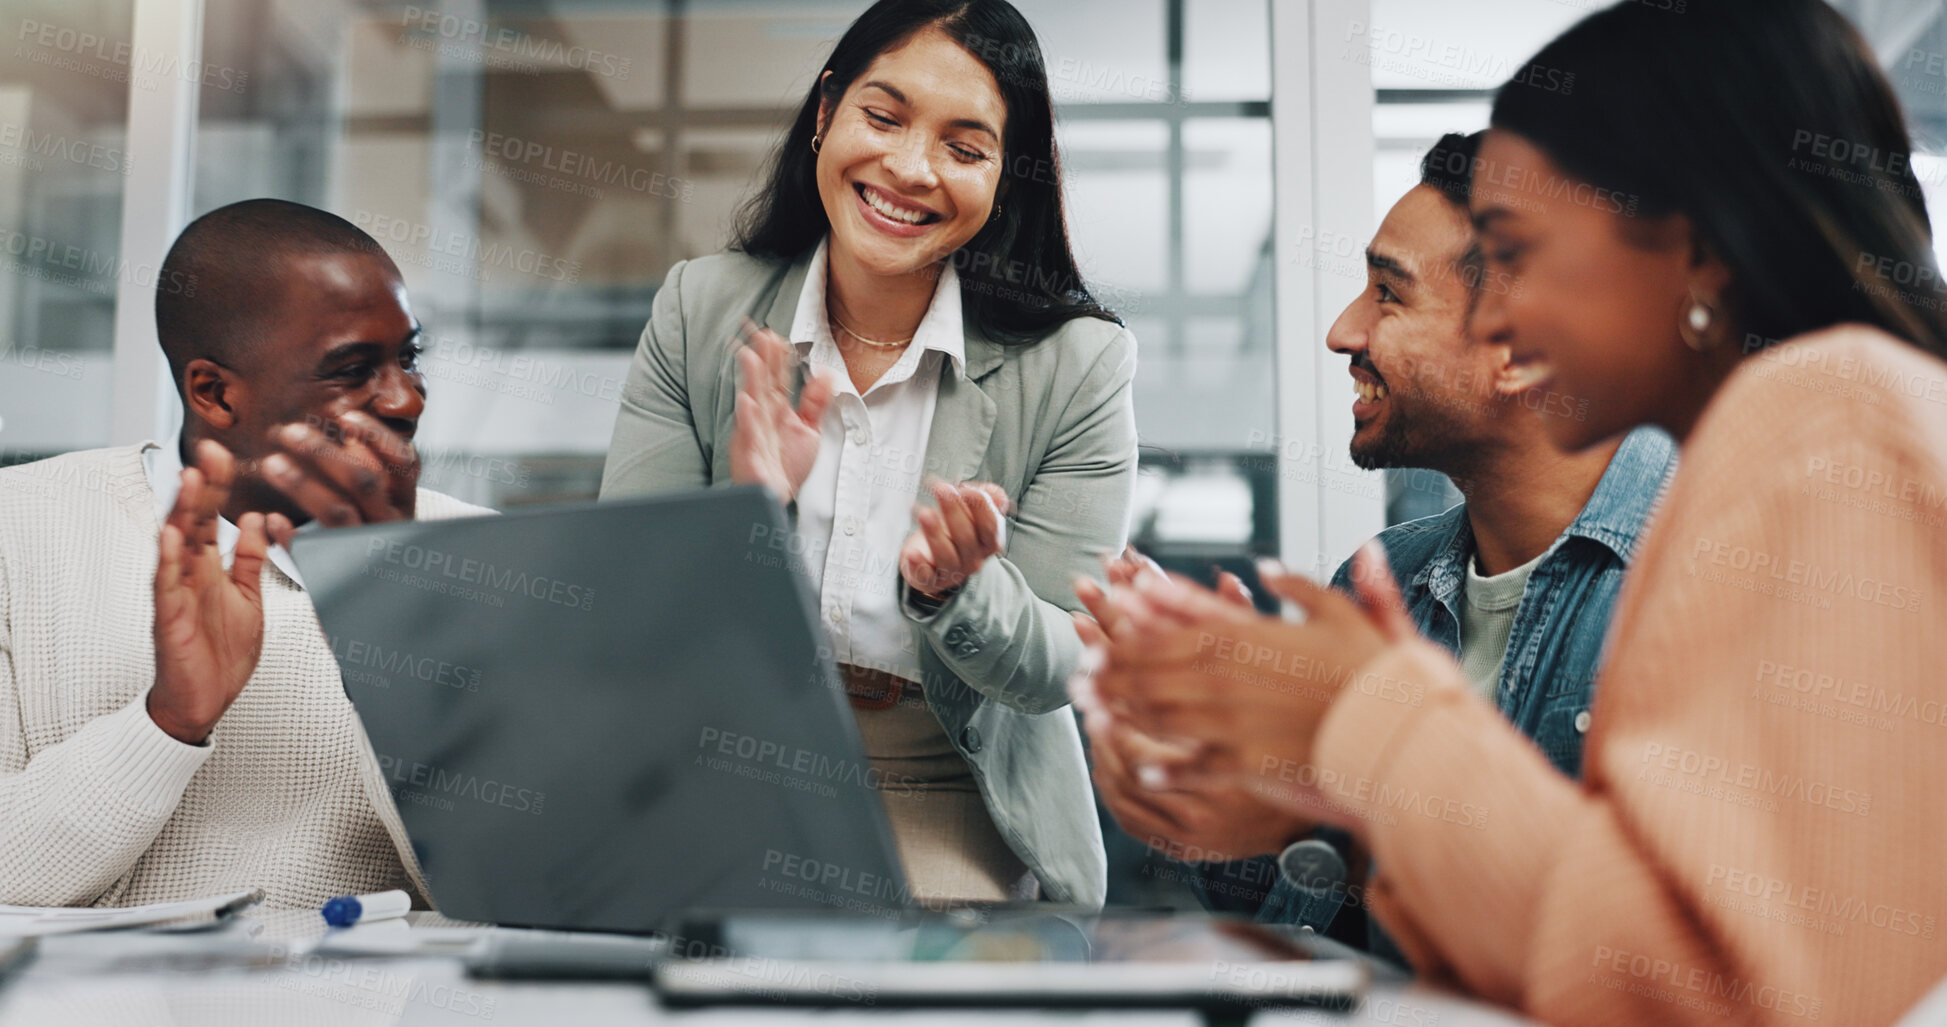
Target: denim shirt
1547	682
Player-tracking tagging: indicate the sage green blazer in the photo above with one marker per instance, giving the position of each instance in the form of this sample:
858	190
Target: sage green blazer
1053	423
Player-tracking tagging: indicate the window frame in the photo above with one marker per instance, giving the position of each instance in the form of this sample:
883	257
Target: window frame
1322	153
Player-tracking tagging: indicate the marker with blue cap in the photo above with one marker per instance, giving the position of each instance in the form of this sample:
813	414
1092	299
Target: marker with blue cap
347	910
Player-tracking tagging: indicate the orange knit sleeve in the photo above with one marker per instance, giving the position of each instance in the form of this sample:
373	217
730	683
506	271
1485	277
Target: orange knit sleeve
1758	839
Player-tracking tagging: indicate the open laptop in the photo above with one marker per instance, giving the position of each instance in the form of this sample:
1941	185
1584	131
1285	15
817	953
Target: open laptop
594	716
620	717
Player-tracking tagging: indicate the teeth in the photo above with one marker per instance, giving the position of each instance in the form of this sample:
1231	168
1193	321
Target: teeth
911	217
1368	391
1528	375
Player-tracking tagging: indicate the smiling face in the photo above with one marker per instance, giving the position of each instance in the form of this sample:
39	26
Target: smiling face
341	338
911	156
350	342
1596	296
1424	392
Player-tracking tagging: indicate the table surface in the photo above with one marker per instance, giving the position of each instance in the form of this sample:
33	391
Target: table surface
129	979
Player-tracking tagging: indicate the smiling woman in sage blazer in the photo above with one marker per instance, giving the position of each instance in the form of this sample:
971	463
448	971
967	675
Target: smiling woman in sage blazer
910	246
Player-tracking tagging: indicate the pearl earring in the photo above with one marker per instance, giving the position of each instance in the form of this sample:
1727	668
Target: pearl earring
1696	323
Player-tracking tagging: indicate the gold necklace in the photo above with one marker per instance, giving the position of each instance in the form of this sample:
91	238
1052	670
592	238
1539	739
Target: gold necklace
843	327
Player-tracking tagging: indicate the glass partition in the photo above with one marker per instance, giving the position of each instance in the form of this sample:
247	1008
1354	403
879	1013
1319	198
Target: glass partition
536	170
65	75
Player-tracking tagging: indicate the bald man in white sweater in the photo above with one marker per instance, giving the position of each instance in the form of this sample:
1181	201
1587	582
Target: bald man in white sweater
169	728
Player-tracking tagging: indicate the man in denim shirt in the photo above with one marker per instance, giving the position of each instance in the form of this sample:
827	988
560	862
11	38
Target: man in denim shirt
1519	581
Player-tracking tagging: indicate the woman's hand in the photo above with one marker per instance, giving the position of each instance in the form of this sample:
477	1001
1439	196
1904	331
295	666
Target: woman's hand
1195	821
772	444
1237	696
1132	563
953	541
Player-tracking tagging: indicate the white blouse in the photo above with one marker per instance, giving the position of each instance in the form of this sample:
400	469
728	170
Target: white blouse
856	508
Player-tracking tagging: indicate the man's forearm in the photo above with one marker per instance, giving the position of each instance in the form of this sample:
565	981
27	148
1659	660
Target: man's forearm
82	812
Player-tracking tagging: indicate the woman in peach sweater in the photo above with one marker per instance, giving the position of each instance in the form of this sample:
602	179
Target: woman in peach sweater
1759	836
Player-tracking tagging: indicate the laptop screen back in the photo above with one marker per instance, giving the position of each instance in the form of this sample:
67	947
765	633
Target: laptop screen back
595	716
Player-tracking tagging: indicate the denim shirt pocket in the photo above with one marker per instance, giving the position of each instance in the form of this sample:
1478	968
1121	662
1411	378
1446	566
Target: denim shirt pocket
1563	727
1568	661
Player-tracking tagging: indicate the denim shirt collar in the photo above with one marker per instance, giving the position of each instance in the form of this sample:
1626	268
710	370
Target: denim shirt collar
1616	515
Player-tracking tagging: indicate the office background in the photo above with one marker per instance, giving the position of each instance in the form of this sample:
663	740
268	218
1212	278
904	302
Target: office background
536	167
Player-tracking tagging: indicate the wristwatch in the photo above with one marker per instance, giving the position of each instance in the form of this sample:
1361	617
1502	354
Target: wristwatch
1312	865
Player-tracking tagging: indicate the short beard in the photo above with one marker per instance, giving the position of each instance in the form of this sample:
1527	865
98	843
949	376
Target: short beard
1393	448
1417	435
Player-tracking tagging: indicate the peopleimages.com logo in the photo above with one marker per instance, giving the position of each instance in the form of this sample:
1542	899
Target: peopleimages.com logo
442	566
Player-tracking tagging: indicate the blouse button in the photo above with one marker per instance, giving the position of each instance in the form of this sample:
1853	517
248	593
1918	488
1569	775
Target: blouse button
1582	720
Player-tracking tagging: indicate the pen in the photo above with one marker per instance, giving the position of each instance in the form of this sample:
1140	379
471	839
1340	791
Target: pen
347	910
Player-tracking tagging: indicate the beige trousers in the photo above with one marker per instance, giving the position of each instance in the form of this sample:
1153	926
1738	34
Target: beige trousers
947	841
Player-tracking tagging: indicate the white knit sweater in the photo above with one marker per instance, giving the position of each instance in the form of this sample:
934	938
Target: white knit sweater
97	805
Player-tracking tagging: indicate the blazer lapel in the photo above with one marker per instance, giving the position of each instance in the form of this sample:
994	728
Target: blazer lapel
784	303
963	416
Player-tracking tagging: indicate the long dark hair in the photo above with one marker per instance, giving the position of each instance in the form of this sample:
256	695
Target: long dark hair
1018	279
1768	125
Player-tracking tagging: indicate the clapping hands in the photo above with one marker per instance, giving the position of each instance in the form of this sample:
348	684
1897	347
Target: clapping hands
773	444
955	538
1217	692
350	470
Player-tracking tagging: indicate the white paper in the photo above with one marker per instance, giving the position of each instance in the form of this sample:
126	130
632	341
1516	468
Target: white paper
25	921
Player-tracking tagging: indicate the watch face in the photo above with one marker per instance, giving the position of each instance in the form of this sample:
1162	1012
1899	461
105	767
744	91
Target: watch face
1312	864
